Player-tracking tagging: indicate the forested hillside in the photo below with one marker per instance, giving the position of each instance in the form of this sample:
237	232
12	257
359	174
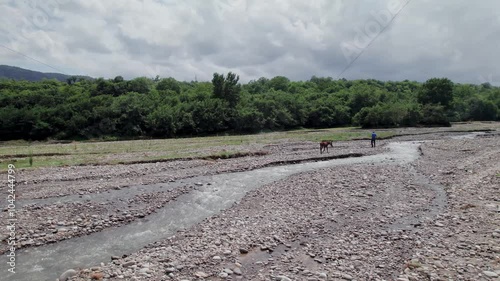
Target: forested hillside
143	107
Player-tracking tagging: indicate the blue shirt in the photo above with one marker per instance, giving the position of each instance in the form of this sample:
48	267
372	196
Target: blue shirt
374	136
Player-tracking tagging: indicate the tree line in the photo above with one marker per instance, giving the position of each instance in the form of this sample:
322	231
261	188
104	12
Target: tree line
144	107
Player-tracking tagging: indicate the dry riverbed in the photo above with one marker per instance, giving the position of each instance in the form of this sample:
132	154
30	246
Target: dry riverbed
352	222
464	241
335	223
345	223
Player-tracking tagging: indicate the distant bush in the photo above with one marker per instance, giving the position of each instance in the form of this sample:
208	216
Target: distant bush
434	115
482	110
389	115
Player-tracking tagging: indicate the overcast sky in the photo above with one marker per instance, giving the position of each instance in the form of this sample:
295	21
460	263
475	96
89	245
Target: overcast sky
184	39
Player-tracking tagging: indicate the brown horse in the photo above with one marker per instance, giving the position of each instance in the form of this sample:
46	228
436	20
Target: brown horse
323	145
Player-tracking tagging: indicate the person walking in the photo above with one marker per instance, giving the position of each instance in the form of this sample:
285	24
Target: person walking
374	136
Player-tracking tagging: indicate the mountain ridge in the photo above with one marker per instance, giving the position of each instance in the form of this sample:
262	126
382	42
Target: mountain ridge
18	73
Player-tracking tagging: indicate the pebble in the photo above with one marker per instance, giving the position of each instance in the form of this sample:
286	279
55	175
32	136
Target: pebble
490	274
346	276
170	270
67	274
237	271
200	274
228	271
128	264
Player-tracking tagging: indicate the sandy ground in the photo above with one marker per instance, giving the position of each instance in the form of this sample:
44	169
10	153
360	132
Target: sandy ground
342	223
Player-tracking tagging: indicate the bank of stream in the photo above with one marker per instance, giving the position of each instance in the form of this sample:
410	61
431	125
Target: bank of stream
213	194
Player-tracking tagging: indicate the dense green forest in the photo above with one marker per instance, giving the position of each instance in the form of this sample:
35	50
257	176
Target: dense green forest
143	107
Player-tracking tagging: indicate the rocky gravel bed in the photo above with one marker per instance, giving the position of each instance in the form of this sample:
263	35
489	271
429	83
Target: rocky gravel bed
336	223
465	242
42	224
60	181
344	223
341	223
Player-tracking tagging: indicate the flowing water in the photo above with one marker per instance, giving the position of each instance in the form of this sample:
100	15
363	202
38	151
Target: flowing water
218	192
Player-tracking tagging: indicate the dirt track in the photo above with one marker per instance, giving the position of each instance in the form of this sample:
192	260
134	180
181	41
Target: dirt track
341	223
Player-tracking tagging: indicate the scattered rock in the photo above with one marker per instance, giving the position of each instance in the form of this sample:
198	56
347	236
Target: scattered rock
128	263
237	271
170	270
201	274
490	274
67	274
96	276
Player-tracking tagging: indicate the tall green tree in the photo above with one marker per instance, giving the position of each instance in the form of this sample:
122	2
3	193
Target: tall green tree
227	88
169	84
279	83
436	91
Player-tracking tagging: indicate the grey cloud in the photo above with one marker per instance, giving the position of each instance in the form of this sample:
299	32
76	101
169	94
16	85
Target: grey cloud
84	44
450	38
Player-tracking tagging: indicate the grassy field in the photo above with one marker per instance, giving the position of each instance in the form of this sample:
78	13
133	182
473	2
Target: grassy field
44	154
